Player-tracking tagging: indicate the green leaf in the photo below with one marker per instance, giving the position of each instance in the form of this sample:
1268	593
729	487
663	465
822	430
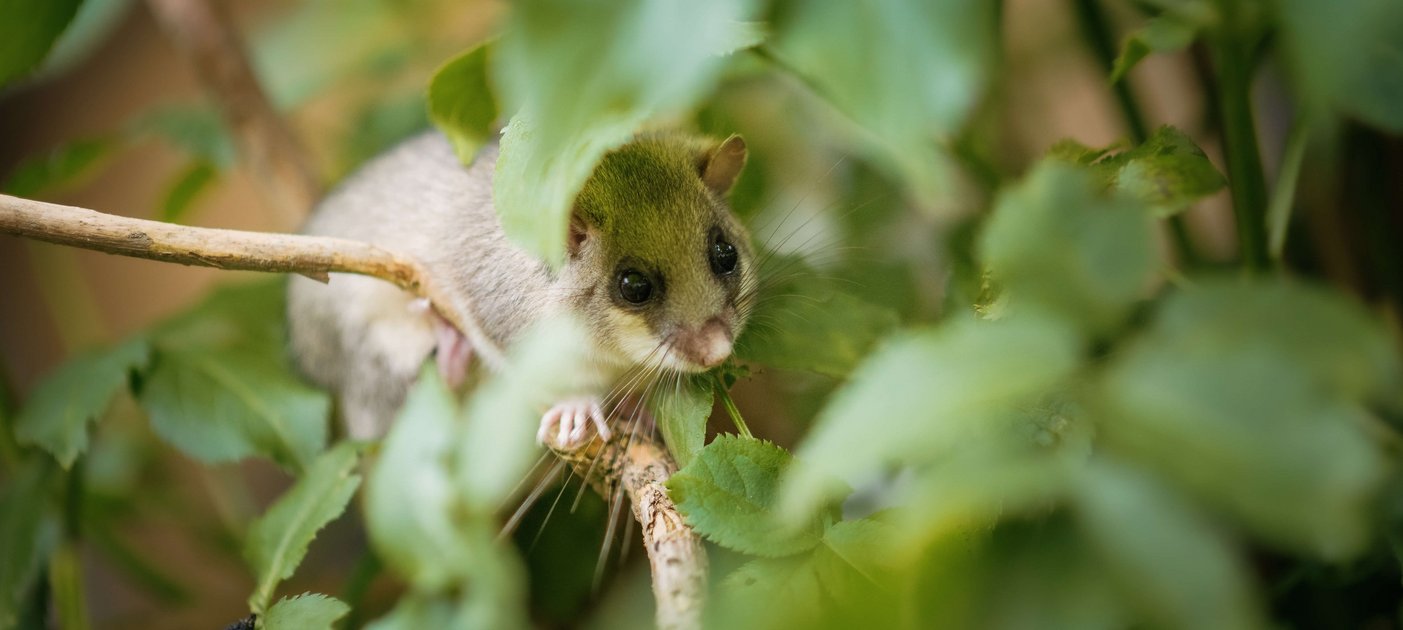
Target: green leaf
278	540
381	124
645	58
924	394
60	408
221	388
1168	171
548	363
410	495
308	611
804	323
1055	242
1160	34
28	31
195	129
1167	559
29	531
58	168
1250	395
1347	56
682	414
185	187
728	494
461	102
772	593
908	71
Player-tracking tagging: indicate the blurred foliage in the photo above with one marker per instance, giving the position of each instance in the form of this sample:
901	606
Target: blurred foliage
1026	415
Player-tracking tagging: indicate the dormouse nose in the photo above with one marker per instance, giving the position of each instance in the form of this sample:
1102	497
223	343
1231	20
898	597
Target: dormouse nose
707	345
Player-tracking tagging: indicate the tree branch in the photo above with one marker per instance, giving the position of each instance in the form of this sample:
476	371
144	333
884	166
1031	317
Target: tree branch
675	553
636	463
266	145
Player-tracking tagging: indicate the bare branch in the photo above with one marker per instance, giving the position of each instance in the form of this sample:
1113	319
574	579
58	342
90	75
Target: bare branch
266	146
637	464
675	553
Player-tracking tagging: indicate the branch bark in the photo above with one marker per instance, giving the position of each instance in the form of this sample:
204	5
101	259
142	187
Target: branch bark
267	147
675	554
637	464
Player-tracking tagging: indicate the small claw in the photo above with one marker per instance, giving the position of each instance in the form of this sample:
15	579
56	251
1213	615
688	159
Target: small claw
597	416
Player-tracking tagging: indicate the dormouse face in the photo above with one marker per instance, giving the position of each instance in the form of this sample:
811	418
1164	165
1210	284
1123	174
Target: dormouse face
664	270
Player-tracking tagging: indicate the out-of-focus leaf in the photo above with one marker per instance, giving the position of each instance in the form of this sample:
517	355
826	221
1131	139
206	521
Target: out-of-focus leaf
546	365
278	540
728	494
682	414
220	386
308	611
461	102
771	593
381	124
29	531
1161	34
410	498
923	393
908	71
195	129
805	323
1249	395
28	32
1174	565
1168	171
1055	242
59	167
1347	55
91	26
180	196
316	45
58	412
644	58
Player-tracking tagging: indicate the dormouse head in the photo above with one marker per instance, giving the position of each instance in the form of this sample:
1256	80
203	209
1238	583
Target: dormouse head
665	271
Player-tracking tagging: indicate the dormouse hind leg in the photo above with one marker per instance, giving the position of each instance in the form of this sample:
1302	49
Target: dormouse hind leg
566	423
453	352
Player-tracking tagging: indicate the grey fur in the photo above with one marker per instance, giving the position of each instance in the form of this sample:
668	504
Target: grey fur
362	338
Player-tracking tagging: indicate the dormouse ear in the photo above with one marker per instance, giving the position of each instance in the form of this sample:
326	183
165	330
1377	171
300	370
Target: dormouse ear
579	233
722	165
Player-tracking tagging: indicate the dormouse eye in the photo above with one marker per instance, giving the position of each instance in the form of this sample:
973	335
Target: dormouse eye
723	256
635	287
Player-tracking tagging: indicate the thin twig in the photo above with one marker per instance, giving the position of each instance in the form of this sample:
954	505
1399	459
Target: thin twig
675	553
267	147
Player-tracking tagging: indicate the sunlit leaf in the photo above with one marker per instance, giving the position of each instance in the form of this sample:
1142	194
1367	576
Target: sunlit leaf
61	166
308	611
278	540
728	494
410	498
545	366
921	394
221	388
28	32
1168	171
645	58
60	408
682	414
1056	242
461	102
908	71
1169	560
1347	55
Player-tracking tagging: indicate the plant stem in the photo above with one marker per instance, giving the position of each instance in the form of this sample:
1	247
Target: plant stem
1231	51
1284	193
1095	27
720	387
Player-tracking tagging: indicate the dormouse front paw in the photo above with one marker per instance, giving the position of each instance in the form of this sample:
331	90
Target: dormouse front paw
567	421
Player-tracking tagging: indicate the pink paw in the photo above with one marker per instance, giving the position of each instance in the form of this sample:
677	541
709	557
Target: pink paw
569	420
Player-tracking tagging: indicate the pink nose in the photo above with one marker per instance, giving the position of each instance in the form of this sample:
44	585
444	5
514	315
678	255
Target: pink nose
709	345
